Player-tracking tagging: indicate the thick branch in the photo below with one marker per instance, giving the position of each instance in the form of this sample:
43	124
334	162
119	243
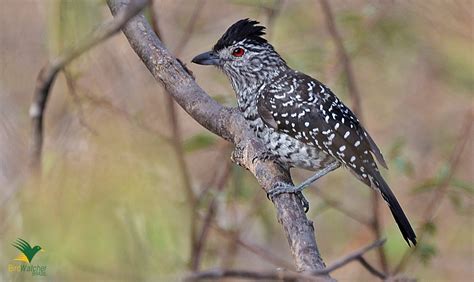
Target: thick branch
230	125
48	74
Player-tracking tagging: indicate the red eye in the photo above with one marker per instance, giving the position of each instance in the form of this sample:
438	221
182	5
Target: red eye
238	52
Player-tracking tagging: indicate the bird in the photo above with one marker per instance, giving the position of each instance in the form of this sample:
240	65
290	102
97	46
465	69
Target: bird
301	122
27	252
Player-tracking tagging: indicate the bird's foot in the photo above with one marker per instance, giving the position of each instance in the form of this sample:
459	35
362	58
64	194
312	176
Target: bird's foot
280	188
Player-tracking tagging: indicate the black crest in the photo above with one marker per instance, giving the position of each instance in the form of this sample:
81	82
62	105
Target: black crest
243	29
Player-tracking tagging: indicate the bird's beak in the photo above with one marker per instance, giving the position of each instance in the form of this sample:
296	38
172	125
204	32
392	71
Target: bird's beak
208	58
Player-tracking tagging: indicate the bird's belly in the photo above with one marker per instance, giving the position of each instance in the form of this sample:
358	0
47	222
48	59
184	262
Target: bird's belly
293	153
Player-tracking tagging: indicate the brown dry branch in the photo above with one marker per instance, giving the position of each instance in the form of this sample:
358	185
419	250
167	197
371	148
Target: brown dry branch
106	104
71	85
441	190
176	139
286	275
356	105
338	206
230	125
49	72
220	183
255	249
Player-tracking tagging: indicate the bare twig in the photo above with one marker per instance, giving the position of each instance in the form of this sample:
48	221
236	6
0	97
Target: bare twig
177	139
336	205
272	14
371	269
208	217
189	27
71	85
48	74
353	256
286	275
356	104
230	125
257	250
342	53
108	105
440	191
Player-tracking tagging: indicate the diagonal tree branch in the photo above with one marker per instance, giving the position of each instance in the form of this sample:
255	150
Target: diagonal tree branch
49	72
230	125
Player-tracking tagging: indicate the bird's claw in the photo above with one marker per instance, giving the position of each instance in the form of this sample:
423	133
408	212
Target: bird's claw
280	188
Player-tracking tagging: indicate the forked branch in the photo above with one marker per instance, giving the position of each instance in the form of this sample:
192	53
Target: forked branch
230	125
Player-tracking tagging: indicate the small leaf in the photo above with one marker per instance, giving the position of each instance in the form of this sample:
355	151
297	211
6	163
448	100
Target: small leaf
404	165
198	142
463	185
455	201
443	172
396	148
426	252
426	185
430	227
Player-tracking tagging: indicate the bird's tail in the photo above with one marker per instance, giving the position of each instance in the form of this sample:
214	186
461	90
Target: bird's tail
395	208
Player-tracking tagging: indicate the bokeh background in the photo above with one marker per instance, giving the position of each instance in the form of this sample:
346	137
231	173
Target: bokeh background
124	189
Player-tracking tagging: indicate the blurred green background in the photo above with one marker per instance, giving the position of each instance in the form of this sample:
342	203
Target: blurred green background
120	199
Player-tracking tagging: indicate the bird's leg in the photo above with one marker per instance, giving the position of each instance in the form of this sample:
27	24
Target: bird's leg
280	188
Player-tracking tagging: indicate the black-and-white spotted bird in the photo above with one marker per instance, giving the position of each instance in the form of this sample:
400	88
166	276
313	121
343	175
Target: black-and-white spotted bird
302	123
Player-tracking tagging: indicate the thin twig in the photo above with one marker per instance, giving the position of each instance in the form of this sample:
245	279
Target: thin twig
257	250
177	139
108	105
71	85
342	53
208	217
272	13
336	205
189	27
442	188
49	72
371	269
356	104
286	275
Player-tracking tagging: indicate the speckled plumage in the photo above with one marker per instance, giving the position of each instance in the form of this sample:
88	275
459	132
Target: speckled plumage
302	123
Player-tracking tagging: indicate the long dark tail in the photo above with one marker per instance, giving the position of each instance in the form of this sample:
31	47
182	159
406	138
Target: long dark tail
396	209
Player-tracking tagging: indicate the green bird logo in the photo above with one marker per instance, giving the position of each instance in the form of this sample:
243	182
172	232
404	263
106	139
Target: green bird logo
27	252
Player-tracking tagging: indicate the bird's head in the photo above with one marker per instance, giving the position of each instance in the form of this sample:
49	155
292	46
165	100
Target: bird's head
243	52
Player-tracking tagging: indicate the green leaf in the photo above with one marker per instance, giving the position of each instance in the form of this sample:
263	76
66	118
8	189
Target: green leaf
463	185
456	201
198	142
396	148
426	252
426	185
430	227
404	165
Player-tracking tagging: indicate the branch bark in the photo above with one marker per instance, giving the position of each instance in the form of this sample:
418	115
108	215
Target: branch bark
230	125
